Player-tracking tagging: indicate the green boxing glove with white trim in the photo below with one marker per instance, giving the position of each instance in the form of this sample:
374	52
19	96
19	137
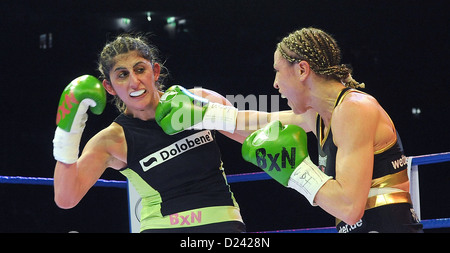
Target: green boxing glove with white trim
282	152
81	94
180	109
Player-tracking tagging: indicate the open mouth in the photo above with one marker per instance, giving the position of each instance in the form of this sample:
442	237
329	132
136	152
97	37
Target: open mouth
137	93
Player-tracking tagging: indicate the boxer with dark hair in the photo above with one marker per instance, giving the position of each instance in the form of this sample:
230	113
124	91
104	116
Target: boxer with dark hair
179	177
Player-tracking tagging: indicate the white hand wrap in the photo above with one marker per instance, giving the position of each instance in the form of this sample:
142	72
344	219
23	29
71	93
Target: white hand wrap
307	179
218	117
66	145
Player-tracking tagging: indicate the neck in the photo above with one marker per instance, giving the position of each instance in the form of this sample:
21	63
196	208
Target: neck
141	114
324	95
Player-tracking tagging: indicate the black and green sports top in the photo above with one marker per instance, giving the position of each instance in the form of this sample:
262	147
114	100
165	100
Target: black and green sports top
179	177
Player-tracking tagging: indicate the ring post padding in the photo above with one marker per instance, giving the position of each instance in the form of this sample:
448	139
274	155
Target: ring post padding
413	174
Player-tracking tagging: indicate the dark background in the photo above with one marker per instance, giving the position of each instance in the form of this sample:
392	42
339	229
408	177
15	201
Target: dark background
400	49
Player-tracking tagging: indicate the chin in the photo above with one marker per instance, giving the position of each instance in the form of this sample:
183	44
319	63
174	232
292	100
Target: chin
298	110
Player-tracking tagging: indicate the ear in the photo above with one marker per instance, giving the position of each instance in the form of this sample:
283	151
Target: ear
156	70
108	87
303	69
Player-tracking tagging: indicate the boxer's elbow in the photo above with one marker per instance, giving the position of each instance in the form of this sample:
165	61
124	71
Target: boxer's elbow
65	201
352	214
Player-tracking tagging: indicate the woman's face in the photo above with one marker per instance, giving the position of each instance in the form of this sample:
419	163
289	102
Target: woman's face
288	82
133	79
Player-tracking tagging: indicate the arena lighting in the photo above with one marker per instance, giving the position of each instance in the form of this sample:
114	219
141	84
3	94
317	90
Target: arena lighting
171	26
125	21
416	111
46	41
171	20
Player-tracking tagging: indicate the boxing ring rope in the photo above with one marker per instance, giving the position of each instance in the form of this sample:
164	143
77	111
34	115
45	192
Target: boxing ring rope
49	181
413	173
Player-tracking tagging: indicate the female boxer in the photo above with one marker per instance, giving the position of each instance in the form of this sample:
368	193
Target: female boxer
179	177
361	178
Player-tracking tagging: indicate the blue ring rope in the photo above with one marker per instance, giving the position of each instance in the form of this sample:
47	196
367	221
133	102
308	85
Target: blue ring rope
49	181
427	224
123	184
236	178
429	159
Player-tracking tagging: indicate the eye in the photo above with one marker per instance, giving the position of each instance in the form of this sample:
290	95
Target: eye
122	74
140	70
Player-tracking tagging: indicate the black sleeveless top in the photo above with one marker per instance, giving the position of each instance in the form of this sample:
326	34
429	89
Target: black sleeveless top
185	169
389	160
390	212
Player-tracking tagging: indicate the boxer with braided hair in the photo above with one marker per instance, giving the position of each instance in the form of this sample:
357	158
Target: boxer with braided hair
361	179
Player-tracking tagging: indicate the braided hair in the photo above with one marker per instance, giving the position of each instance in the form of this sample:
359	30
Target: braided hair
322	53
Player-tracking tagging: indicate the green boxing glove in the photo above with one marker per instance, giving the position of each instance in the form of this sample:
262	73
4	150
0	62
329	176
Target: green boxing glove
81	94
282	152
180	109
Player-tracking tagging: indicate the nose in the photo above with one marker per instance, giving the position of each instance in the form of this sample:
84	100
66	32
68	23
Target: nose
275	84
134	81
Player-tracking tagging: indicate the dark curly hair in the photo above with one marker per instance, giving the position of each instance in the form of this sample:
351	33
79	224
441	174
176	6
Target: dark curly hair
123	44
